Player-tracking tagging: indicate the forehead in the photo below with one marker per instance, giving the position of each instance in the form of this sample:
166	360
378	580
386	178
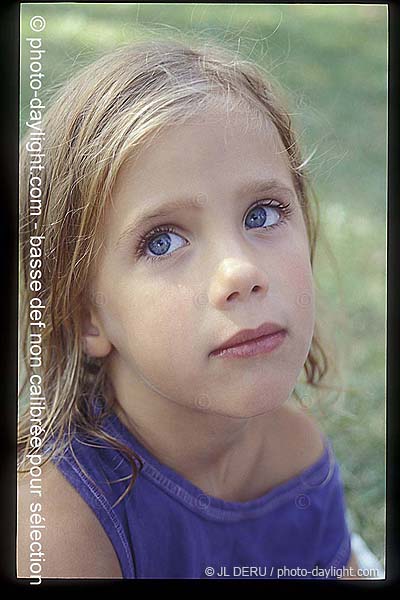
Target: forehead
206	154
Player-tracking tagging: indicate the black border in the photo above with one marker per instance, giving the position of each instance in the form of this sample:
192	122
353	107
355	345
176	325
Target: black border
9	114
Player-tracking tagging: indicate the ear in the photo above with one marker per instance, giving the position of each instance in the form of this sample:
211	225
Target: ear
95	340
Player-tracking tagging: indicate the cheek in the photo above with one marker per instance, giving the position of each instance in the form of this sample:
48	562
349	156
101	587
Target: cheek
300	282
299	266
153	324
300	292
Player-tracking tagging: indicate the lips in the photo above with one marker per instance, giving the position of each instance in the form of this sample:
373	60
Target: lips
249	334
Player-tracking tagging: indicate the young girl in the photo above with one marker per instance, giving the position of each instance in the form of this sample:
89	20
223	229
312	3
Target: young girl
178	305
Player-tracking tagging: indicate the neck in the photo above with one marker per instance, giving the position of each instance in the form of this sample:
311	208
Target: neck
217	453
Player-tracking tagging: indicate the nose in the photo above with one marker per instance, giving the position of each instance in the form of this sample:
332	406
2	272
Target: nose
235	281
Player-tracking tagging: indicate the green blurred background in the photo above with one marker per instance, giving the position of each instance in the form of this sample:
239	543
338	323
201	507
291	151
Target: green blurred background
332	63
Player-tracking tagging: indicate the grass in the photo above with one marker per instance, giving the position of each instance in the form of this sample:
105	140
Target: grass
331	62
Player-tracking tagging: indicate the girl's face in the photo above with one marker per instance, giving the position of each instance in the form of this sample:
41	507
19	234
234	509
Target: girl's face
226	249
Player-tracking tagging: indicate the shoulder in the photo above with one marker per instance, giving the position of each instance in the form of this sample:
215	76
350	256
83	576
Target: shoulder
298	441
74	543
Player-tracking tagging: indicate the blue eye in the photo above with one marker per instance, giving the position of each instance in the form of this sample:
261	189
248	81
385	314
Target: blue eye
160	240
262	216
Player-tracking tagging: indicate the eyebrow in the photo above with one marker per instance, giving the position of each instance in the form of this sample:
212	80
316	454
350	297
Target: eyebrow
165	209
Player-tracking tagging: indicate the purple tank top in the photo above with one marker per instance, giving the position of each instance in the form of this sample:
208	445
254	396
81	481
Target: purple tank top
166	527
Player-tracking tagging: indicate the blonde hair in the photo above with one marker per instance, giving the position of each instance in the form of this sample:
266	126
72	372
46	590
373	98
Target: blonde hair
96	121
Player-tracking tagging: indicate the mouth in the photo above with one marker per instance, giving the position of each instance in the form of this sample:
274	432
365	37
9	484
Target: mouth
250	342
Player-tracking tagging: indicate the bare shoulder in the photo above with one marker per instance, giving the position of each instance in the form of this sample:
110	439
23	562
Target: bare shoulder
299	441
72	540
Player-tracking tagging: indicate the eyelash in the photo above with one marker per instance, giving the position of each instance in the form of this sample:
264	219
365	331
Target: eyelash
285	210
